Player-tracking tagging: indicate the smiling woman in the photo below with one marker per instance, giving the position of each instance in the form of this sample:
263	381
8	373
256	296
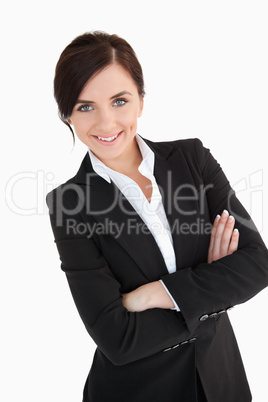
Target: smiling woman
77	65
153	299
107	123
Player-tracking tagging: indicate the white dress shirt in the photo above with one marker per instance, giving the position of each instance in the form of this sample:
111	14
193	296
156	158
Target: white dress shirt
152	213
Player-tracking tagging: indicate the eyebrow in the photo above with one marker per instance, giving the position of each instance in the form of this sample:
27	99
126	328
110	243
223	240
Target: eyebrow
112	97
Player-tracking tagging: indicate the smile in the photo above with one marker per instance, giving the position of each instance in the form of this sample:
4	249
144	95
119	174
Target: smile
108	139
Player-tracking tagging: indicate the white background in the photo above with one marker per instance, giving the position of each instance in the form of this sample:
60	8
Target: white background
205	66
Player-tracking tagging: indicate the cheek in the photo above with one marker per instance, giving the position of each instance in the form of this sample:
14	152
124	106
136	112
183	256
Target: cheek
129	119
82	126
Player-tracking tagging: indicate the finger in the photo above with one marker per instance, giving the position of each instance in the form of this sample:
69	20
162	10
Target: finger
213	232
212	238
219	235
227	235
234	242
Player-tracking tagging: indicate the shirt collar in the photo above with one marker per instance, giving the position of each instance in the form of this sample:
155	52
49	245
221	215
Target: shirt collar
147	163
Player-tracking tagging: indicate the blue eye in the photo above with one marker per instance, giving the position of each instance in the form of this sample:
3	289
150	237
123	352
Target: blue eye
85	108
120	102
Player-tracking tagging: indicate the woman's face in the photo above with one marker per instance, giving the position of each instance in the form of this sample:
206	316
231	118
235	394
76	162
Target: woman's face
105	115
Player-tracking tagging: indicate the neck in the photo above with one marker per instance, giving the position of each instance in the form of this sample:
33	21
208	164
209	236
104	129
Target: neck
127	163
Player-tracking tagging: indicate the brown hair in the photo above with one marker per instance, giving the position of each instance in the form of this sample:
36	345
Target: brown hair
85	56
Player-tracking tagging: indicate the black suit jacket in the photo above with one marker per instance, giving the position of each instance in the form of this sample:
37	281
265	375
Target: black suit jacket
106	250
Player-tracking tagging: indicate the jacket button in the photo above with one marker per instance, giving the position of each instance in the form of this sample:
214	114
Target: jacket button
204	317
174	347
166	350
183	343
221	312
192	340
213	315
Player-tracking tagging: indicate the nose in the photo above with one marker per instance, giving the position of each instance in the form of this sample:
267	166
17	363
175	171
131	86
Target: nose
105	121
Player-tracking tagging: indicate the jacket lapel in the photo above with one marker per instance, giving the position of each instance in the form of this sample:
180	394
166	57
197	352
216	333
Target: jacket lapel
110	208
180	199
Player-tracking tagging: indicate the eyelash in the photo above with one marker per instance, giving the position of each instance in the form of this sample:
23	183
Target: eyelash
80	109
121	100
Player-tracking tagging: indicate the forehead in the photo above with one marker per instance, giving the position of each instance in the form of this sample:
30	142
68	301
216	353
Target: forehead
113	79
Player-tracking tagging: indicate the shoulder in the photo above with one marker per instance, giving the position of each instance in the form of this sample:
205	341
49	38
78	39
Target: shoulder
64	195
72	190
189	146
192	149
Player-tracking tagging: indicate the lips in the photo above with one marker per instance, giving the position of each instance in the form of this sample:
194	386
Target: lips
108	140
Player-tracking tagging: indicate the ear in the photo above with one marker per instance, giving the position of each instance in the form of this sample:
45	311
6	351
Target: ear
69	121
141	106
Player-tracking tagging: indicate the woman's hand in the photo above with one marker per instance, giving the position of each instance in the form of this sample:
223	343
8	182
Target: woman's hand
151	295
223	241
224	238
135	300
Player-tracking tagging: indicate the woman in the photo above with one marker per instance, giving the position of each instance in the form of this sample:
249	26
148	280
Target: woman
150	279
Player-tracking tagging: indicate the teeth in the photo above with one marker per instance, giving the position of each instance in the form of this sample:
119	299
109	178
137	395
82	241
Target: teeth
109	139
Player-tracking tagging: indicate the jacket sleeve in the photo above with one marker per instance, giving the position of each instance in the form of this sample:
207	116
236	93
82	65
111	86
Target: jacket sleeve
121	335
206	290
